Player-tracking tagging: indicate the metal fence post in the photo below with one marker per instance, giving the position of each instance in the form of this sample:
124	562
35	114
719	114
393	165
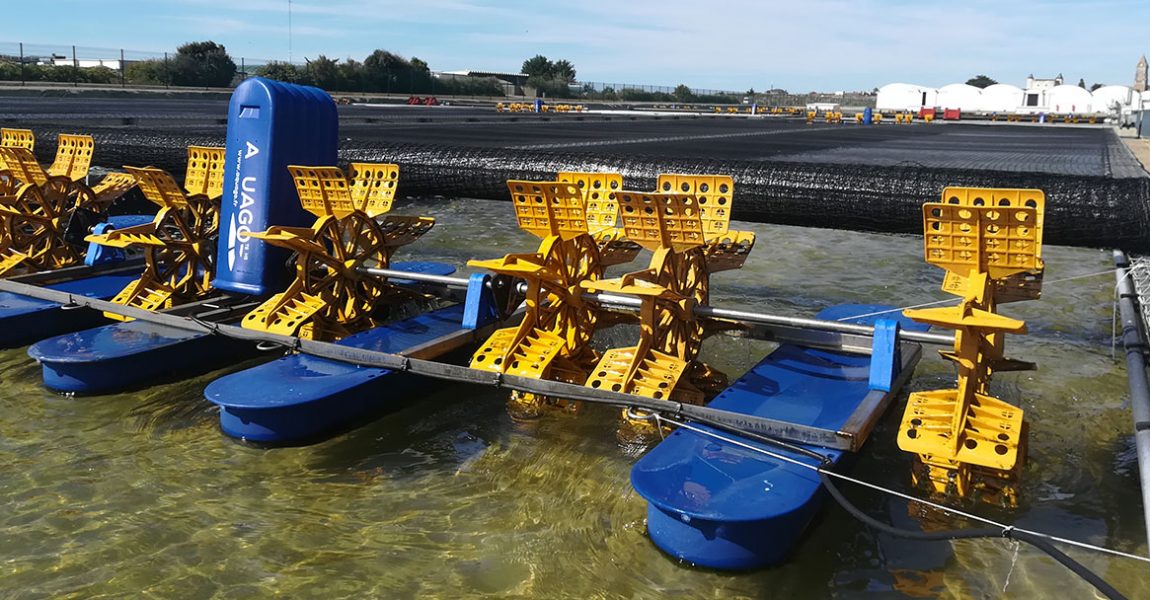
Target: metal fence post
123	67
167	72
75	69
22	79
243	69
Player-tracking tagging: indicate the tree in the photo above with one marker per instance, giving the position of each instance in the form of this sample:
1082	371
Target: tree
538	66
384	71
325	73
981	81
1095	86
563	69
683	93
1081	83
202	64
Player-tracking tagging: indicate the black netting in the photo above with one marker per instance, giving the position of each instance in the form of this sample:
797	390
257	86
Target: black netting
1082	210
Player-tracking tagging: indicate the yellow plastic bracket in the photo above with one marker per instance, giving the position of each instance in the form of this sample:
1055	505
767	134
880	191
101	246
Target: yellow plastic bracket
205	171
112	186
602	209
368	188
655	220
373	187
549	208
73	157
158	186
998	241
17	138
599	191
22	163
1014	288
713	193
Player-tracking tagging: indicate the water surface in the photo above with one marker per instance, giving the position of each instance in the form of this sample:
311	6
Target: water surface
138	495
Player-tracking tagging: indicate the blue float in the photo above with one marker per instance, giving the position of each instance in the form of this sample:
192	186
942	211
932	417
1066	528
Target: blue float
24	319
300	398
125	355
270	125
715	504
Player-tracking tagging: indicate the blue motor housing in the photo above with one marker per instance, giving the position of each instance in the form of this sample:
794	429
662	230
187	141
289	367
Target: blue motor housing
270	125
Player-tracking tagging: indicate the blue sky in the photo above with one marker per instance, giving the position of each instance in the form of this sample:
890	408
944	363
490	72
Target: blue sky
806	45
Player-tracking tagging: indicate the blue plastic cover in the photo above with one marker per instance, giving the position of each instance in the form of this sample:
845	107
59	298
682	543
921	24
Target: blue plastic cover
885	356
270	125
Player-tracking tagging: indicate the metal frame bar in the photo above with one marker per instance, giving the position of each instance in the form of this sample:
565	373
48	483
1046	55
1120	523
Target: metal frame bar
854	338
397	362
79	272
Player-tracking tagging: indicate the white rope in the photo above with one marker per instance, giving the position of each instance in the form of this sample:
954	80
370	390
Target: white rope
956	300
941	507
891	310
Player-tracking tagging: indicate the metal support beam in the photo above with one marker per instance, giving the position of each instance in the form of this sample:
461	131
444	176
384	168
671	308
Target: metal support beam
706	312
1135	343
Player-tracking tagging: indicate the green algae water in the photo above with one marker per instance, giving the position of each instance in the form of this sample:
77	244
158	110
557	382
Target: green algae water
138	495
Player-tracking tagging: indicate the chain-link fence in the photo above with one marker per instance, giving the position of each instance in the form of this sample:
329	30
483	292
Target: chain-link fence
64	64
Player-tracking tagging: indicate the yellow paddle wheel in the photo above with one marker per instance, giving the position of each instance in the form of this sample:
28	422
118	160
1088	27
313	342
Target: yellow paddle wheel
553	339
686	225
36	205
990	243
329	298
179	245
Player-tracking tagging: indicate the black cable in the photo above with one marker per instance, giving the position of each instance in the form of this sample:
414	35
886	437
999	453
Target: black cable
987	532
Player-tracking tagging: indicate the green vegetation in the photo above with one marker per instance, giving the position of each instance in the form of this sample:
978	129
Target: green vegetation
202	64
550	79
207	64
381	71
981	81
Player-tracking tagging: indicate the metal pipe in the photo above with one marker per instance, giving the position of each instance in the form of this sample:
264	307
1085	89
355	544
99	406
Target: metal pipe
1134	341
447	280
709	312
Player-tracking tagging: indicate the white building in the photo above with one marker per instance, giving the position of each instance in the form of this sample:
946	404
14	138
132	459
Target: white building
85	63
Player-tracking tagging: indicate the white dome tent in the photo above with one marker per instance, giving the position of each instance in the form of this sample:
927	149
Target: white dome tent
1002	98
965	98
1006	99
905	96
1109	96
1065	99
